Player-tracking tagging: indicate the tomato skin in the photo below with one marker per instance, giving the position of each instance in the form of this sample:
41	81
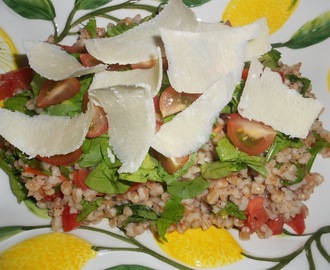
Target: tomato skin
14	81
79	178
99	124
62	160
172	102
69	220
245	74
249	136
256	213
88	60
276	225
298	223
55	92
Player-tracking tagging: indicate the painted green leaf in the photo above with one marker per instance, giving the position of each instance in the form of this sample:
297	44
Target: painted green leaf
191	3
310	33
89	4
7	232
31	9
129	267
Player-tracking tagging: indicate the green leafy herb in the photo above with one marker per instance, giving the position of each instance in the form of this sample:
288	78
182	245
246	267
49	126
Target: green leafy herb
104	178
231	107
33	208
219	169
18	102
91	27
304	81
315	149
232	209
118	29
172	214
87	208
147	171
281	142
187	189
310	33
270	59
141	213
89	4
299	176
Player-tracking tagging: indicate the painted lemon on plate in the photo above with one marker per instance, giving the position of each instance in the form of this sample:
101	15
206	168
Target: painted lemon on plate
53	251
7	52
242	12
214	247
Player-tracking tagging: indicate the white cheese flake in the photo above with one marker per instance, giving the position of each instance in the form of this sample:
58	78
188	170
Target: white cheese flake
192	128
266	99
140	43
53	63
151	76
131	116
44	135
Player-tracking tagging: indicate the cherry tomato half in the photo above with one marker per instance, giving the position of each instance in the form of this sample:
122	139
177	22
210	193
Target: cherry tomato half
251	137
171	164
172	102
79	178
62	160
99	124
55	92
14	81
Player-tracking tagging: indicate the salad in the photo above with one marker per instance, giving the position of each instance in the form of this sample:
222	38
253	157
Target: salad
247	174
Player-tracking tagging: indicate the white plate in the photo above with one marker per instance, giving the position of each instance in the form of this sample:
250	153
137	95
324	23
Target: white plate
316	63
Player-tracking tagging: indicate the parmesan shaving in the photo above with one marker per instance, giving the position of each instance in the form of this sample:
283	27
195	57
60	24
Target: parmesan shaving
44	135
266	99
131	117
192	128
140	43
59	65
152	76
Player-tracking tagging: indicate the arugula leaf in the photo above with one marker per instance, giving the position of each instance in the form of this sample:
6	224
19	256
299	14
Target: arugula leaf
104	178
31	9
300	176
87	208
147	171
304	81
271	58
219	169
94	151
33	208
172	214
141	213
89	4
91	27
232	209
315	149
229	153
231	107
281	142
188	189
118	29
18	101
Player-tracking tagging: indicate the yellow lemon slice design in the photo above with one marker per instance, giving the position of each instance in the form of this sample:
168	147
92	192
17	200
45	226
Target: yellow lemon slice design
210	248
242	12
7	52
48	251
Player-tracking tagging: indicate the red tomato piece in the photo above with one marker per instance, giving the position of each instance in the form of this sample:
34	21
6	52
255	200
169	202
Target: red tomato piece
79	178
33	171
55	92
99	124
245	74
88	61
251	137
256	213
298	223
276	225
172	102
62	160
69	220
14	81
171	164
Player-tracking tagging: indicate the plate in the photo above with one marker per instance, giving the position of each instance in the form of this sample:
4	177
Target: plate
315	65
